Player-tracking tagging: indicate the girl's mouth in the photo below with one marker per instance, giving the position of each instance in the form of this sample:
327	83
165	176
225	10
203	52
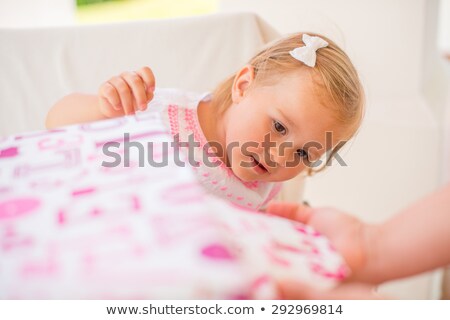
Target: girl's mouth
258	167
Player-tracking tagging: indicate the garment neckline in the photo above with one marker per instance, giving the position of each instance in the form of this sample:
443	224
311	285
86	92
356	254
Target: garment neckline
206	97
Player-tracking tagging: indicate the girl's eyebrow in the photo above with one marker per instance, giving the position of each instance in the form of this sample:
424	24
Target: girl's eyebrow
285	118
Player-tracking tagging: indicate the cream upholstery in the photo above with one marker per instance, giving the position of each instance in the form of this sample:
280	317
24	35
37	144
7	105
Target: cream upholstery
41	65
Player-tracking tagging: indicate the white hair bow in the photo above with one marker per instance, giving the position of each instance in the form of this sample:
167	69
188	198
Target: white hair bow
307	53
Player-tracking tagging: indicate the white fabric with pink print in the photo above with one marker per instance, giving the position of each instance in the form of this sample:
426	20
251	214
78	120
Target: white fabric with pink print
73	228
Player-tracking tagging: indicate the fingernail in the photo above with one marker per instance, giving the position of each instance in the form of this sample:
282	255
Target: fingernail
151	89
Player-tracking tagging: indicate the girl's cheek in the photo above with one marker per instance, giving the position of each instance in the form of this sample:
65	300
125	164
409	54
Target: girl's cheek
295	171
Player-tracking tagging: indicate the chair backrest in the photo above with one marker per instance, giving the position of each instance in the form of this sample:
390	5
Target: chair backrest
39	66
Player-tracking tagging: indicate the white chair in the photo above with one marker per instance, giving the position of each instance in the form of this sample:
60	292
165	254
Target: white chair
41	65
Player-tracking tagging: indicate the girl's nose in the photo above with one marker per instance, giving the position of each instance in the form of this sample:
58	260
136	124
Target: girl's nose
279	156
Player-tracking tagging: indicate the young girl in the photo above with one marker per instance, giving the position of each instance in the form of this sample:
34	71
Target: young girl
265	124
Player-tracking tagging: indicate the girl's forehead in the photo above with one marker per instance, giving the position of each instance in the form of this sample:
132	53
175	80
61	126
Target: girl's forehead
307	114
299	85
299	96
304	98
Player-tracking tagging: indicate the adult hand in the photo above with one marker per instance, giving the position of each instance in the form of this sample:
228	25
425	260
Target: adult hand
291	290
347	234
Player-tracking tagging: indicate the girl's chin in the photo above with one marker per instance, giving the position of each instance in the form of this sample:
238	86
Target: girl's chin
248	175
243	175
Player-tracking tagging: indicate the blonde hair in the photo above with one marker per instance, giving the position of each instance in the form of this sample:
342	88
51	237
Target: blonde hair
333	73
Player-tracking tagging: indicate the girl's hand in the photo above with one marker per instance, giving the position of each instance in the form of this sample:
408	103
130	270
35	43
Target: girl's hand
350	237
127	93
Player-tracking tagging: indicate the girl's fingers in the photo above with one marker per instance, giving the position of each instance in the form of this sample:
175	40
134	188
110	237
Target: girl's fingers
137	86
130	92
110	95
108	110
149	80
124	91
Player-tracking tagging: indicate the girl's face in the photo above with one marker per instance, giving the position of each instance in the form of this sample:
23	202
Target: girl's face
274	132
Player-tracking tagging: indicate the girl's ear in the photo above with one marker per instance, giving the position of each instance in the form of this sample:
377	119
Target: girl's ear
242	82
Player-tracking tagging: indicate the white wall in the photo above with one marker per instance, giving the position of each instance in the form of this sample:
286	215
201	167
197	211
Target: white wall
444	26
384	42
444	48
36	13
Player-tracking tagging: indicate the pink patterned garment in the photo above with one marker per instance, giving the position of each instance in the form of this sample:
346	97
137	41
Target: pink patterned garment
179	112
72	228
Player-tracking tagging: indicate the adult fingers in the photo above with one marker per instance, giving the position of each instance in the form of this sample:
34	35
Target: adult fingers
290	210
294	290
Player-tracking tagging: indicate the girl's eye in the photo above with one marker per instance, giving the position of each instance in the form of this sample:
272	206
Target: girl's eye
302	154
279	127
